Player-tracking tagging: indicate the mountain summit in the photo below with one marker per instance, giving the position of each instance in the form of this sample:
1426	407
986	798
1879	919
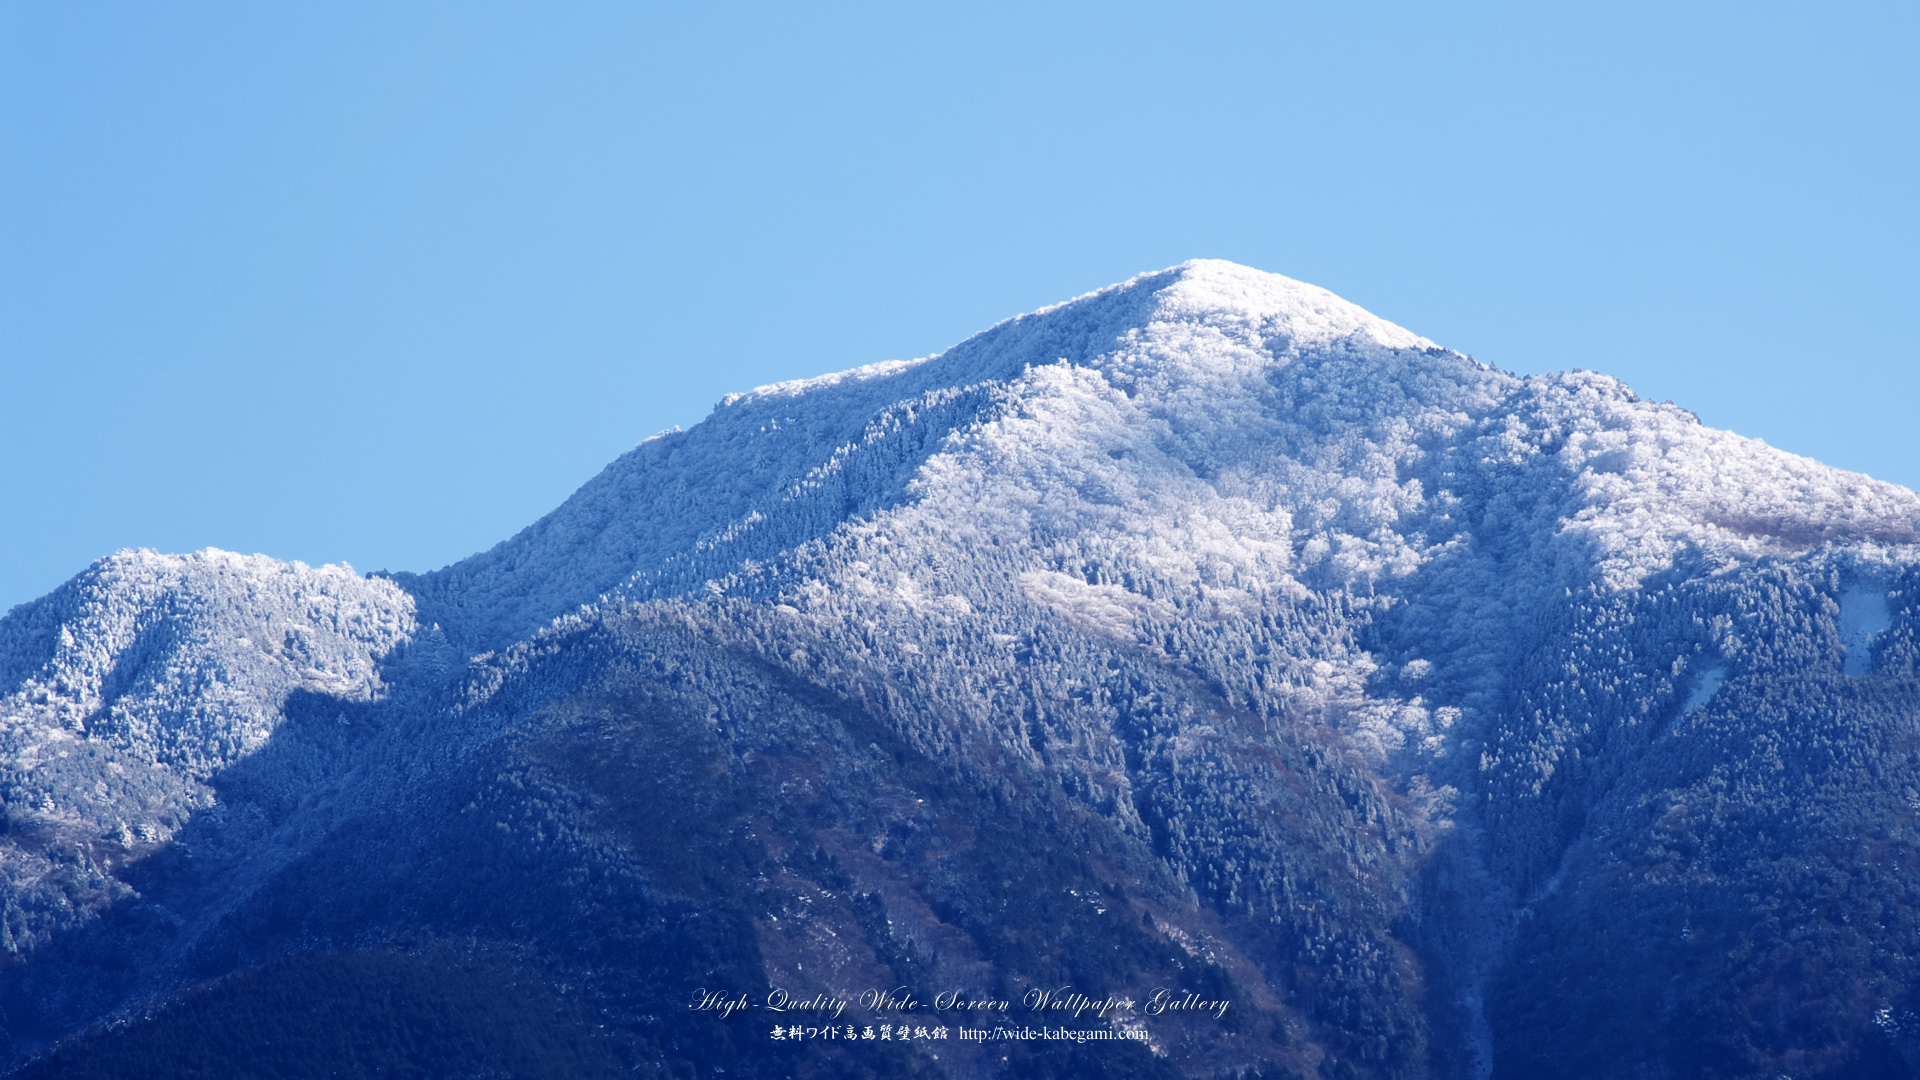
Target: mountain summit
1209	372
1204	633
768	466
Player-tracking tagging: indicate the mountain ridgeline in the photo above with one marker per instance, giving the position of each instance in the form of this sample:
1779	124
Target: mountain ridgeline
1398	716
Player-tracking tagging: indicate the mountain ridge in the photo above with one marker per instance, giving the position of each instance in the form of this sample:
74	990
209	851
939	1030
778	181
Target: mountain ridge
1213	295
1339	662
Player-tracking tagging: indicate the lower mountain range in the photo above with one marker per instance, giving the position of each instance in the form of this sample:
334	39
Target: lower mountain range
1202	674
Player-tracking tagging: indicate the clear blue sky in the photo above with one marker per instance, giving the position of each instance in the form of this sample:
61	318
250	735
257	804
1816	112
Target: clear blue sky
384	282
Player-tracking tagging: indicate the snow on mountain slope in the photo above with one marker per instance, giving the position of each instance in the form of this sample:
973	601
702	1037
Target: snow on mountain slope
1311	423
1233	434
788	463
125	690
1227	433
1364	647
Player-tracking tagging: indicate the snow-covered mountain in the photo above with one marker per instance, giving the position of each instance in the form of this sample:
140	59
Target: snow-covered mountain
1204	631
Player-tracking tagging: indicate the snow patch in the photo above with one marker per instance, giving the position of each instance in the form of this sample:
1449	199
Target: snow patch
1863	617
1704	688
1107	611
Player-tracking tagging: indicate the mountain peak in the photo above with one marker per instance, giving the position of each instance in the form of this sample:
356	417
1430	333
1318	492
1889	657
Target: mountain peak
1345	442
1218	291
1200	306
1270	313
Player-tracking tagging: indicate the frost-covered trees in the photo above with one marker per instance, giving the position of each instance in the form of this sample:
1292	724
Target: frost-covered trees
1426	704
